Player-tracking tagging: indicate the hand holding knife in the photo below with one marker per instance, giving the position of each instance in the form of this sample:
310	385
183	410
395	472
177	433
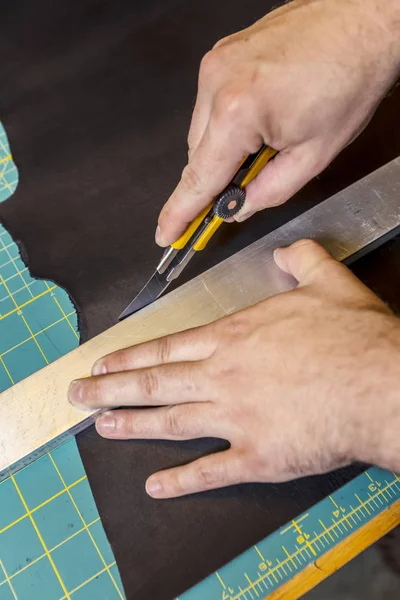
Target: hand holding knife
200	231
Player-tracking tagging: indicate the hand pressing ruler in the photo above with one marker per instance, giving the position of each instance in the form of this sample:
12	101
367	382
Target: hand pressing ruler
35	412
302	553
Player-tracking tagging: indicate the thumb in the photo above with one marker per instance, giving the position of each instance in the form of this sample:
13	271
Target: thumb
306	260
311	264
281	178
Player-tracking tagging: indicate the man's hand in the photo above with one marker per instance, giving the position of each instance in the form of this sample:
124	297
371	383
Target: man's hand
299	384
305	80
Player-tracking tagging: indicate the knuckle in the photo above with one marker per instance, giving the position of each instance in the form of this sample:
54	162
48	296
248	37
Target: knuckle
231	104
305	243
169	213
311	255
238	326
222	42
258	77
173	423
190	143
126	423
148	384
191	181
210	64
206	476
163	349
92	390
174	483
119	361
278	200
258	464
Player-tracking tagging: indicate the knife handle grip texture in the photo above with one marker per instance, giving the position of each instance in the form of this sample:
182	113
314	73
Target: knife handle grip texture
262	159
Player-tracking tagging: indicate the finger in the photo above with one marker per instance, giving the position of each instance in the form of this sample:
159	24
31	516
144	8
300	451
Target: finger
200	118
214	471
280	179
311	264
197	128
191	345
304	259
203	106
210	169
167	384
179	422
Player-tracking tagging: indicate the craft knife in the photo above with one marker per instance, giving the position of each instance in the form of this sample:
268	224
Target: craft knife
200	231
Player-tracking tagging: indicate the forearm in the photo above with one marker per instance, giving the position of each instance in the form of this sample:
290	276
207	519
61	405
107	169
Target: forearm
384	16
374	26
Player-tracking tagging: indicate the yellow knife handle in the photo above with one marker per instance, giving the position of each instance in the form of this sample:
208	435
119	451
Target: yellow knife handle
262	159
185	237
207	234
260	162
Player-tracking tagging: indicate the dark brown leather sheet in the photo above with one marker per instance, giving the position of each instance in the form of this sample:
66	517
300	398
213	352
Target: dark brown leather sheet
96	99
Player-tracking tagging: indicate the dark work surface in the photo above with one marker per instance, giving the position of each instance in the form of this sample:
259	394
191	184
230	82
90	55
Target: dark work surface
171	545
96	98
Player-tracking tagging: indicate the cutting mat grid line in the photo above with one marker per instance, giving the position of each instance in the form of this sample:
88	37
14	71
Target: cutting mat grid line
64	546
52	543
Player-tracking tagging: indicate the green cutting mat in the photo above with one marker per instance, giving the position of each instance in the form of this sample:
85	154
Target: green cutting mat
52	543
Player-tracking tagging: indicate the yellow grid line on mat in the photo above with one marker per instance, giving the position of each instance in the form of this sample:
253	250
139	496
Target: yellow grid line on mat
47	551
87	529
38	558
36	528
8	580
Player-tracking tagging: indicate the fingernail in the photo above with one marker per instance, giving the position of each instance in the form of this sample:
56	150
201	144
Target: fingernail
75	392
276	253
159	240
154	487
99	368
241	218
106	423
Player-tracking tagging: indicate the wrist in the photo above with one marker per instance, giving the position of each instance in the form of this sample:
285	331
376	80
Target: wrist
376	410
382	34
